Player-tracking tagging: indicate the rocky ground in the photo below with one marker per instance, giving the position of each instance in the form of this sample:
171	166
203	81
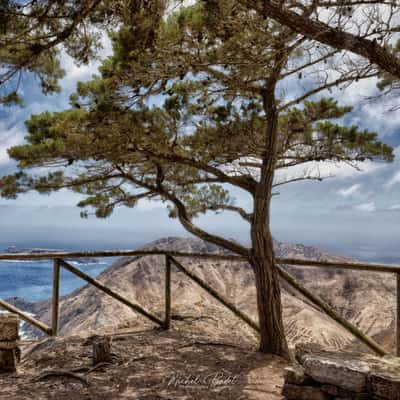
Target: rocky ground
183	363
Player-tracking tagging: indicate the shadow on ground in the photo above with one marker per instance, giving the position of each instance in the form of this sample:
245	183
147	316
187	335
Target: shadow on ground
148	365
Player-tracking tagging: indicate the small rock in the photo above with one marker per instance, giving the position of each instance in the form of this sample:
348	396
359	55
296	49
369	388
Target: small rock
385	386
293	392
339	393
295	375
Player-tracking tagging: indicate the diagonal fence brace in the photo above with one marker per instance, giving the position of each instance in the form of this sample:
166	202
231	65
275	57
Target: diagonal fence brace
331	312
216	295
111	292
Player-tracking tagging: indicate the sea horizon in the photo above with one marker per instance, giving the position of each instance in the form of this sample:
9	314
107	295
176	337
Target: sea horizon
32	280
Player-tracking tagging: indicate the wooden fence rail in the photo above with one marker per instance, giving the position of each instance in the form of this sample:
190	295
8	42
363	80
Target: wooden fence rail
171	259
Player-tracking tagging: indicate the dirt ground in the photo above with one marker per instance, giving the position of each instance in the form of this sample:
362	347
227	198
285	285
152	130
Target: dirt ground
148	365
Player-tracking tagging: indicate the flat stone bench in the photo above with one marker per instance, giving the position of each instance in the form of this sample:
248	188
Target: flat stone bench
9	336
326	375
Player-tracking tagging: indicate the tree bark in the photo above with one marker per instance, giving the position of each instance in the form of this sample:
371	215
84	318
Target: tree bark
272	335
101	350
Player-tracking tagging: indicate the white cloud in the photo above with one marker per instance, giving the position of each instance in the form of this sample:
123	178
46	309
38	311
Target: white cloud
327	169
8	138
394	207
363	88
395	178
366	207
146	204
312	169
378	117
63	197
352	191
393	181
76	73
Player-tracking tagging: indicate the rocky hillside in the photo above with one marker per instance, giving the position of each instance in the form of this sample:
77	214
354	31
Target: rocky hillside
367	299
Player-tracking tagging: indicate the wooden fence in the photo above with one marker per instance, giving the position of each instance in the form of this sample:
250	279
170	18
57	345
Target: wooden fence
171	260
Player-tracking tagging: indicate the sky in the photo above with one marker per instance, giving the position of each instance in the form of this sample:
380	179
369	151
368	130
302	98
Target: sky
355	213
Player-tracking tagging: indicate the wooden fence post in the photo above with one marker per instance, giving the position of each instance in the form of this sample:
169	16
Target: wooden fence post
56	297
397	315
167	322
101	346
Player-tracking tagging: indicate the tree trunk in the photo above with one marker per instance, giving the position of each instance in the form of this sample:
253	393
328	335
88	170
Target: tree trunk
272	335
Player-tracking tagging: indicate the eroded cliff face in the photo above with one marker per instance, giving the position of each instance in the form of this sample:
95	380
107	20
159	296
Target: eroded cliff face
366	299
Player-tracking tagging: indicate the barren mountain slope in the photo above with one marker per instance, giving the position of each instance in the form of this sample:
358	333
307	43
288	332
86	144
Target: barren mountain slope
367	299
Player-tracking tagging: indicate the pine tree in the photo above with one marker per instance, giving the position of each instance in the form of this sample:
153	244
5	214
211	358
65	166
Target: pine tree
184	110
34	33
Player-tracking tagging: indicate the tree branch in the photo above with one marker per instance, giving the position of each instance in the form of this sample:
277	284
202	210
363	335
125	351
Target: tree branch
195	230
245	215
326	86
303	178
323	33
245	182
183	215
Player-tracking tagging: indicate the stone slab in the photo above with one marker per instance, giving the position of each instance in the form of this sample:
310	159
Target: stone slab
348	374
344	373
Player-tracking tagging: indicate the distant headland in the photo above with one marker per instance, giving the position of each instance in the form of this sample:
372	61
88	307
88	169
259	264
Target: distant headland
38	250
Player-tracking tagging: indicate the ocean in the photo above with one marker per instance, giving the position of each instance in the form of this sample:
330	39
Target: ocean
33	280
